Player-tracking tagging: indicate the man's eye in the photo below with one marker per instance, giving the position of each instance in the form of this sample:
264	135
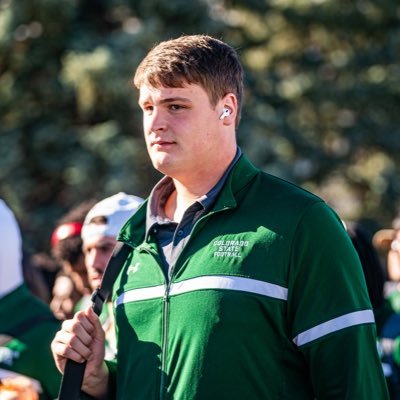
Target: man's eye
106	249
175	107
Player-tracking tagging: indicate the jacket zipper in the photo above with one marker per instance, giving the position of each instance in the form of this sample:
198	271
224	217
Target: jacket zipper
166	311
164	319
164	339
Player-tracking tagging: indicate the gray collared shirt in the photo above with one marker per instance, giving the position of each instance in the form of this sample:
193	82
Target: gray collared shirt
171	236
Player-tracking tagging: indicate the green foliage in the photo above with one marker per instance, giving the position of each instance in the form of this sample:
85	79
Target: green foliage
323	80
323	87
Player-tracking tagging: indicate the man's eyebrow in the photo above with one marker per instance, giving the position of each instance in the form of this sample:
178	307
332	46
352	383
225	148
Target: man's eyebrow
168	100
173	99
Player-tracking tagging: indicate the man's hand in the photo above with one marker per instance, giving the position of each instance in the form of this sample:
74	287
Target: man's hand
82	339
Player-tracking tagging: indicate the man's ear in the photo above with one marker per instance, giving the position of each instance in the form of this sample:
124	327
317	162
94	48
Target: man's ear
229	104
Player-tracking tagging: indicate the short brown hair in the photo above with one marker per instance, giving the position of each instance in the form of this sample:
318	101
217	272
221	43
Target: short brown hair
194	59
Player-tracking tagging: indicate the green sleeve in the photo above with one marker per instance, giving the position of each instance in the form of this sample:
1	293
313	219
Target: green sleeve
326	283
31	329
346	366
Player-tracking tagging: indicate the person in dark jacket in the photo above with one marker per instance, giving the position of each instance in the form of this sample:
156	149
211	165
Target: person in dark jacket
386	318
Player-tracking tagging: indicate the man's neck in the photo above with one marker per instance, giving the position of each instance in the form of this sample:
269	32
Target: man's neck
175	207
189	190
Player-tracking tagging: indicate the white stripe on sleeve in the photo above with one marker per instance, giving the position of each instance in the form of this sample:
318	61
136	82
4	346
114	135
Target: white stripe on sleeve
336	324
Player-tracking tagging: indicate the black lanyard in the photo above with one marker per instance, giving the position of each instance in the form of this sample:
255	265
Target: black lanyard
71	382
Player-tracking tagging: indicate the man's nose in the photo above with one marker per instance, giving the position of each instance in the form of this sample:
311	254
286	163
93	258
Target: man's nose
157	121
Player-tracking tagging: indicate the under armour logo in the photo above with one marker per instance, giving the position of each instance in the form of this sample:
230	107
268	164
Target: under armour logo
133	268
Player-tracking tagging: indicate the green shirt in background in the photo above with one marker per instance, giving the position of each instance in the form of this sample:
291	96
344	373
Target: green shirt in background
27	327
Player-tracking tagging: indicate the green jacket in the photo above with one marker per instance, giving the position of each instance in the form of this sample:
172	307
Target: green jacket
27	328
266	301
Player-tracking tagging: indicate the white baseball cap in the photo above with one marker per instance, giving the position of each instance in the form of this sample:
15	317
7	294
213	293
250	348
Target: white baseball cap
10	251
107	217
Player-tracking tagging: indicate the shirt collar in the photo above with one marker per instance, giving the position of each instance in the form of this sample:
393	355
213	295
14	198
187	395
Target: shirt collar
163	189
208	199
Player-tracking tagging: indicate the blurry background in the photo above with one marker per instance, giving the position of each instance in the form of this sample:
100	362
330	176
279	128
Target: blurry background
322	105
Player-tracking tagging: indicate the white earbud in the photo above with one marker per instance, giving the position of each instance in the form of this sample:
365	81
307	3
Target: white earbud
225	113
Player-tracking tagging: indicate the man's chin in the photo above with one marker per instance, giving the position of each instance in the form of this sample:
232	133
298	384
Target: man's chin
164	166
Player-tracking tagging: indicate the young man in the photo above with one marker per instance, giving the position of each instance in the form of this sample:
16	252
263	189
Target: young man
27	325
99	231
239	285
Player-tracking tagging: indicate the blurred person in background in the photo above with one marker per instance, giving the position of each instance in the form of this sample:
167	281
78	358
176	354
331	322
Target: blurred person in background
40	274
99	232
72	283
386	318
387	241
27	324
17	388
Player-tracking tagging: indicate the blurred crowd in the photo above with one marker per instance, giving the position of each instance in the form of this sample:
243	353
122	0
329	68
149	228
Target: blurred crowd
39	291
